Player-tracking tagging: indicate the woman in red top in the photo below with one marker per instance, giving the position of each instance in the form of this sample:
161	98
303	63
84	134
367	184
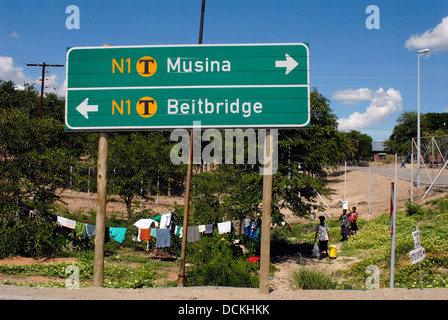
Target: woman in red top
353	216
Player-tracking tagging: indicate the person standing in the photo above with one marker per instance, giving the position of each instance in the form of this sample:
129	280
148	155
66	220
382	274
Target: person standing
352	218
345	225
322	232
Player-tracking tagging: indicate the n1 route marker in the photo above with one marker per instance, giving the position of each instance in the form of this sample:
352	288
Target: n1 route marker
167	87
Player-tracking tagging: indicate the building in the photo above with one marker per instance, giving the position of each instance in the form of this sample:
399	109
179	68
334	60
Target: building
379	151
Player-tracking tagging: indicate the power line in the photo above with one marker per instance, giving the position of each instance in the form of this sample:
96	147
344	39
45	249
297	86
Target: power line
25	55
43	65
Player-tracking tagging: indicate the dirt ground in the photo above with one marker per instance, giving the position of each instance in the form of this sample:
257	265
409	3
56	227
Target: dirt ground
357	194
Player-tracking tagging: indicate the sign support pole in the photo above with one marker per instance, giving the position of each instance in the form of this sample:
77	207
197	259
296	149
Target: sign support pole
393	224
266	216
100	230
181	277
98	264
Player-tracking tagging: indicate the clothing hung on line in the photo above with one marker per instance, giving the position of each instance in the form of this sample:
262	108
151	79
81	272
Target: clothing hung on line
80	230
238	227
145	234
165	220
224	227
193	234
146	223
90	229
208	228
154	232
118	234
163	238
201	228
246	225
69	223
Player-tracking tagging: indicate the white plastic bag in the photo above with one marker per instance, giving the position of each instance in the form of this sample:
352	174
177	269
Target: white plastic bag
315	251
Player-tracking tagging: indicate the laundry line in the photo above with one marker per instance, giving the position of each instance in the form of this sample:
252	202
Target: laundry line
161	227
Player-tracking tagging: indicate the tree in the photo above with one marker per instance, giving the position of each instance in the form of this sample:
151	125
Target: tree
431	124
31	165
361	145
136	162
400	141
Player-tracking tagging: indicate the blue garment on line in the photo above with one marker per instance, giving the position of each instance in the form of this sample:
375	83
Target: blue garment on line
117	234
163	238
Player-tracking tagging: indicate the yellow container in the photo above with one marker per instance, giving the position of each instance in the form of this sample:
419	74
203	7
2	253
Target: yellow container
333	251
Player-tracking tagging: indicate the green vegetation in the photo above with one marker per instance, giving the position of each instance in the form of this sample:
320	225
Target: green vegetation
372	245
400	141
307	278
115	276
38	160
217	261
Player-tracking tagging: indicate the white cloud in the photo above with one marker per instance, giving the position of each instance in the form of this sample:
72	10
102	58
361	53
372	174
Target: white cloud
351	96
61	90
435	39
383	105
9	72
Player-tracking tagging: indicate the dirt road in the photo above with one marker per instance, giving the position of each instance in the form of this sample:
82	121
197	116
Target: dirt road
214	293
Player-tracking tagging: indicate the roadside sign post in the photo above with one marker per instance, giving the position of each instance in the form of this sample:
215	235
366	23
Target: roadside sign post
141	88
100	231
393	225
418	254
266	219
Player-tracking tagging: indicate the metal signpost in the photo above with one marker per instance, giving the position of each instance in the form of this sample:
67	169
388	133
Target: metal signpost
418	254
167	87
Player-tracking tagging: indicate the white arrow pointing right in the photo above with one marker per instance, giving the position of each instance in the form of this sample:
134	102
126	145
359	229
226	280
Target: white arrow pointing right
84	108
289	63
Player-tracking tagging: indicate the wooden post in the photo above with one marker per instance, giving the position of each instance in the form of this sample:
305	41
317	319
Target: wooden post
98	264
181	275
266	219
100	230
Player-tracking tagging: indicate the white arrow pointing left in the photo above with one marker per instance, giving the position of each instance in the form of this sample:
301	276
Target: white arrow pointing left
289	63
84	108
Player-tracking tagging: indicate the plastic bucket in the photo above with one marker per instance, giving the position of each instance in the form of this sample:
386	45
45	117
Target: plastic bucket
345	205
333	251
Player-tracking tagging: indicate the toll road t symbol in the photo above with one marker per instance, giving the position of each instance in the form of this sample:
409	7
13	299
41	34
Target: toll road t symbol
146	107
146	103
146	63
146	66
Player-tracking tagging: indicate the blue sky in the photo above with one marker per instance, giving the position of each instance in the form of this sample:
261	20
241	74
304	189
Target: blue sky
369	75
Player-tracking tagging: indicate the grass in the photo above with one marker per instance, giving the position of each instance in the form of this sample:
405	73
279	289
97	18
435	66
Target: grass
131	271
307	278
128	268
372	245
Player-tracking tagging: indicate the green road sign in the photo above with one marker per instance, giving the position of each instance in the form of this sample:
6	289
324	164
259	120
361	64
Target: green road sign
168	87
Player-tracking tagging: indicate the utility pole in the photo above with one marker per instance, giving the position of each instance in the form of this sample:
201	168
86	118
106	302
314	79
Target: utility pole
43	65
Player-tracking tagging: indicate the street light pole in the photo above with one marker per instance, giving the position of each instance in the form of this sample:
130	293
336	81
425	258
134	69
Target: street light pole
418	117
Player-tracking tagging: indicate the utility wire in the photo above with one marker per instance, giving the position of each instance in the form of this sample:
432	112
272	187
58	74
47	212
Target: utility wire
34	59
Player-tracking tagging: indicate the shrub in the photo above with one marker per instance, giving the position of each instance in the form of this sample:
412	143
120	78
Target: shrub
311	279
413	209
217	262
27	237
222	271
